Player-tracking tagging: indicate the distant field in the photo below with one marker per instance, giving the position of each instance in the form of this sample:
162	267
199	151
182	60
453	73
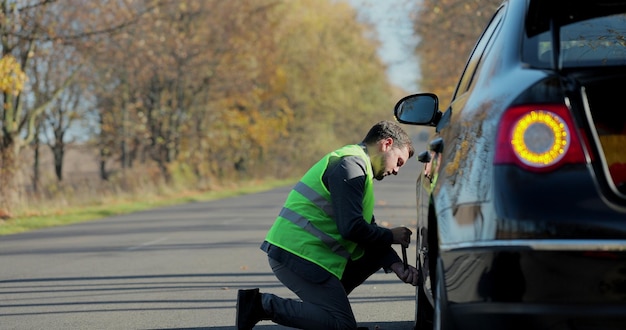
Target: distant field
81	164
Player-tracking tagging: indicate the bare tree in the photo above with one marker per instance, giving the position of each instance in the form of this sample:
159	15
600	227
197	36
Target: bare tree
30	29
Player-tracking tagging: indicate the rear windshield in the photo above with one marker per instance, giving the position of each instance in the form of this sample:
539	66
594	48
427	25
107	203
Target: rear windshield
583	41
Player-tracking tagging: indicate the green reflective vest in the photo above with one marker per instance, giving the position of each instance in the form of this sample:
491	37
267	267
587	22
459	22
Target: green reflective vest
306	226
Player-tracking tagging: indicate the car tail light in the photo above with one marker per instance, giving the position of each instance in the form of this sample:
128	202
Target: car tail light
538	137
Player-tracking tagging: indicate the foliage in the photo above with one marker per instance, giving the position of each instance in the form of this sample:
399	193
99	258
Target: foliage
26	34
448	31
189	92
241	96
12	78
337	82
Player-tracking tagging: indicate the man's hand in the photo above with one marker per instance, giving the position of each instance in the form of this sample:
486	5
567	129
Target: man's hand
409	275
402	236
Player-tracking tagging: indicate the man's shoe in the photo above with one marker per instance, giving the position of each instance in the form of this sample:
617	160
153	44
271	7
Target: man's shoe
249	309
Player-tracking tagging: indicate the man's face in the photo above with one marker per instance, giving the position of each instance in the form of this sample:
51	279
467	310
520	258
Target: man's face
389	159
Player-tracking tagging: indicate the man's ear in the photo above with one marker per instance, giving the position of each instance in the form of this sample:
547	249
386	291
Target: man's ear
386	144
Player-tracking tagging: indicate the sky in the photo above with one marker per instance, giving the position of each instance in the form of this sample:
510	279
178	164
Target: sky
392	21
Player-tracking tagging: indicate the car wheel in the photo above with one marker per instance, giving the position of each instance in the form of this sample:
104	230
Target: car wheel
440	315
423	309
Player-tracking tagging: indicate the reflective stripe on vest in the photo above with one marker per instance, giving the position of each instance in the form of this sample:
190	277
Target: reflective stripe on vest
305	224
314	197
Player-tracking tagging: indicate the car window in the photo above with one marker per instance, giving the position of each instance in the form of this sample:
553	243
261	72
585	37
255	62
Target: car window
477	53
599	41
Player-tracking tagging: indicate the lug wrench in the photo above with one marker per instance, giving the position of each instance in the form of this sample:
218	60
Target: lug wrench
406	264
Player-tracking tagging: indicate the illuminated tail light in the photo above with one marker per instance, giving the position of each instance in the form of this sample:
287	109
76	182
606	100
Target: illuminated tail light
538	138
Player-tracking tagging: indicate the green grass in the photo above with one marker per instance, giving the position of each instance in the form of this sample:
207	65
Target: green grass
69	215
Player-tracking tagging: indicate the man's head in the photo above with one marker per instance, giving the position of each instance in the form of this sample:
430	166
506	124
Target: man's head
389	148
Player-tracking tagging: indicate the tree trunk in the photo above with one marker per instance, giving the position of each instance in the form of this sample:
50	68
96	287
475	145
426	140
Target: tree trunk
58	151
36	163
9	180
104	175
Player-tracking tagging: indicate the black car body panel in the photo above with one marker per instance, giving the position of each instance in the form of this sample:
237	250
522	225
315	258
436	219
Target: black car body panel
505	243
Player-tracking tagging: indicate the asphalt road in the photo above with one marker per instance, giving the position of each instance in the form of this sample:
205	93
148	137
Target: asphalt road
177	267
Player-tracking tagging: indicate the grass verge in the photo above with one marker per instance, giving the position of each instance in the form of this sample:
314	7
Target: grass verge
123	205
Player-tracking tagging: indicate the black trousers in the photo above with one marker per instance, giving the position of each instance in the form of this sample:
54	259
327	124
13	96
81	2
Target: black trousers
323	304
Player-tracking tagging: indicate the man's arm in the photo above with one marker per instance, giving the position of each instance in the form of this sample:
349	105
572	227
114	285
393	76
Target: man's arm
345	179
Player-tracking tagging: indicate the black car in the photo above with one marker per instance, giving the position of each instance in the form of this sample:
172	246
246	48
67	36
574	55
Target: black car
521	205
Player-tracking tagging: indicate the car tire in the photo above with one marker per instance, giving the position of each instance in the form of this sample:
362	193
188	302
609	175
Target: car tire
423	309
441	320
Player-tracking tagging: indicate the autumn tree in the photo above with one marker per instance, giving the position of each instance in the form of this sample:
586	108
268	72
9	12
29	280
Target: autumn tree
252	114
11	84
448	30
31	30
23	27
203	90
335	81
168	79
225	89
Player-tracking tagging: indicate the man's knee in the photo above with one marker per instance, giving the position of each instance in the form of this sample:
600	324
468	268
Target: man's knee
345	324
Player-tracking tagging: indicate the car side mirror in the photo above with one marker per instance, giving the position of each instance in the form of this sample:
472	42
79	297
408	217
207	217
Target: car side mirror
418	109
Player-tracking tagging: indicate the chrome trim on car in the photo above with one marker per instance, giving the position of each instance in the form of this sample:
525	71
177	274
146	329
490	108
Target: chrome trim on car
541	245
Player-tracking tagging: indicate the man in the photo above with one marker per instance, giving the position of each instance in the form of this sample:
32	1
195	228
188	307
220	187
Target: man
325	242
